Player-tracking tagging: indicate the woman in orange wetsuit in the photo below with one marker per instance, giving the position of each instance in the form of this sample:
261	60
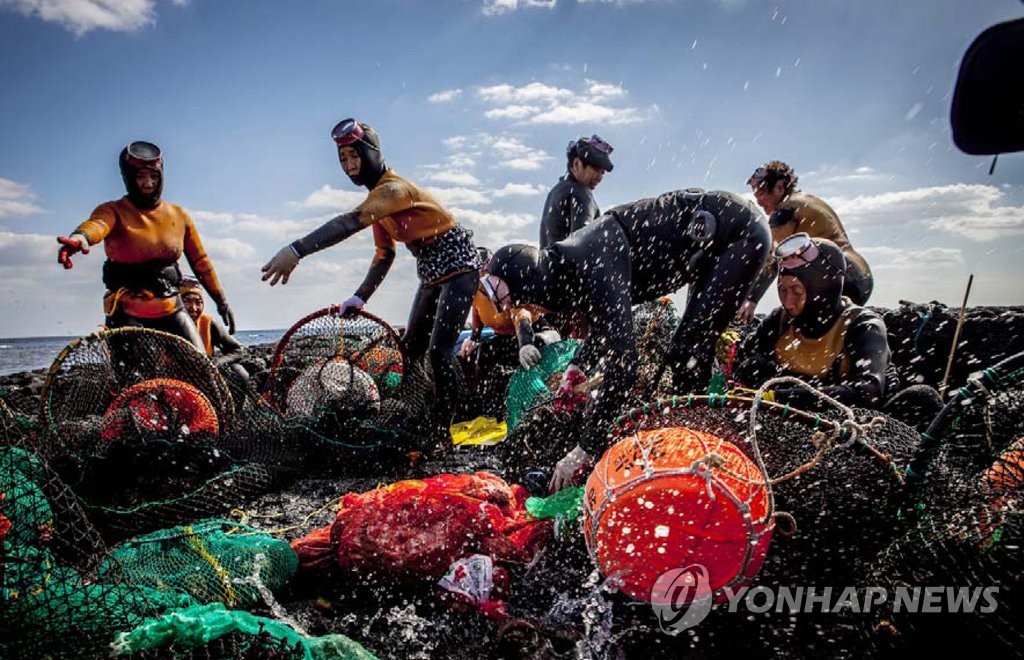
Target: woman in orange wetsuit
144	237
399	211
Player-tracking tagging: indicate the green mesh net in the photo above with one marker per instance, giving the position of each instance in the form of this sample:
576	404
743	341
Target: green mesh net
251	636
63	595
210	561
52	601
527	386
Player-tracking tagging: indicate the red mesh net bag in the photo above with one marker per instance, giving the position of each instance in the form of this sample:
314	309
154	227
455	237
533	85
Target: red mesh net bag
413	530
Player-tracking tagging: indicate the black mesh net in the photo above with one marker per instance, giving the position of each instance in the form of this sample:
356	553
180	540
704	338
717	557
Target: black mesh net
964	527
143	428
343	384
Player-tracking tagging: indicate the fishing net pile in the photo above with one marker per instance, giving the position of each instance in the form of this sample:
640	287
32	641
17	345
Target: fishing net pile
921	335
965	524
344	383
145	431
64	594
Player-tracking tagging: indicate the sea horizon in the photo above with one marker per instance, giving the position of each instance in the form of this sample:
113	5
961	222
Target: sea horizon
19	354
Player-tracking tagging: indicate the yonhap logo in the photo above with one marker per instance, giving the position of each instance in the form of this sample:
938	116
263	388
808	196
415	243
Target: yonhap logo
681	598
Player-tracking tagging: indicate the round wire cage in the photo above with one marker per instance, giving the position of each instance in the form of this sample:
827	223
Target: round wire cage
358	337
91	372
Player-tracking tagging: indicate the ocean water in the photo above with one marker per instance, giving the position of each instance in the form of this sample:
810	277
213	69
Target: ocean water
30	353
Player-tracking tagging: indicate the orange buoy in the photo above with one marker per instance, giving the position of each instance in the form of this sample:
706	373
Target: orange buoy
671	498
155	405
1002	487
379	361
1007	472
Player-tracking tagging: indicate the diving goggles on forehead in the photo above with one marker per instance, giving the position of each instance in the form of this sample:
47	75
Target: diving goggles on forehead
495	288
347	132
796	250
144	154
594	141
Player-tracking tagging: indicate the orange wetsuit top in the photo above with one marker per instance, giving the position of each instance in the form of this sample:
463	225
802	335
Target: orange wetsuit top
401	212
161	234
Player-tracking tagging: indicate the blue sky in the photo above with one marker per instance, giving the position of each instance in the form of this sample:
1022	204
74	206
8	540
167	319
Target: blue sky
477	99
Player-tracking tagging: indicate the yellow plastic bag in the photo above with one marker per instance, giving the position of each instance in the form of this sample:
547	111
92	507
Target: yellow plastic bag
480	431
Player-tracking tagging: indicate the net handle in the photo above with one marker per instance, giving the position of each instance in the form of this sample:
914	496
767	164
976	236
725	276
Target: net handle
332	310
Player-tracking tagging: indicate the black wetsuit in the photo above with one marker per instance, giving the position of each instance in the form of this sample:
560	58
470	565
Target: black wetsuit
635	253
568	208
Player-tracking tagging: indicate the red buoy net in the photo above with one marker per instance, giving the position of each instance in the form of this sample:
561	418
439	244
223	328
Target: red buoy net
669	498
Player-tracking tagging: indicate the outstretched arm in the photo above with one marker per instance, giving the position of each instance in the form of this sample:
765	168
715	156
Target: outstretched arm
332	232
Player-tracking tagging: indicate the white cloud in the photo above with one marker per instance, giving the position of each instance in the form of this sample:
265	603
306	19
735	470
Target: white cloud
501	151
23	249
16	199
494	219
213	223
534	92
454	178
513	154
451	196
585	112
81	16
519	189
538	103
327	197
212	218
497	7
861	174
229	249
444	96
496	228
971	211
604	90
512	112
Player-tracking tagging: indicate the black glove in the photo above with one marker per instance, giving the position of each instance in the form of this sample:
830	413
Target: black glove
225	313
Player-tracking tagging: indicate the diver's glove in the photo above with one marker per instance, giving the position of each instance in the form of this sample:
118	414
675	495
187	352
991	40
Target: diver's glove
227	315
71	245
352	304
529	355
570	470
281	266
467	348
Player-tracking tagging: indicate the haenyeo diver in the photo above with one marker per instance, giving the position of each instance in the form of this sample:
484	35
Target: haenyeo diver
400	211
143	237
715	242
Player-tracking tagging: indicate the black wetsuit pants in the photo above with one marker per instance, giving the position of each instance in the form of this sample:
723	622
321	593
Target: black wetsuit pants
435	320
178	323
